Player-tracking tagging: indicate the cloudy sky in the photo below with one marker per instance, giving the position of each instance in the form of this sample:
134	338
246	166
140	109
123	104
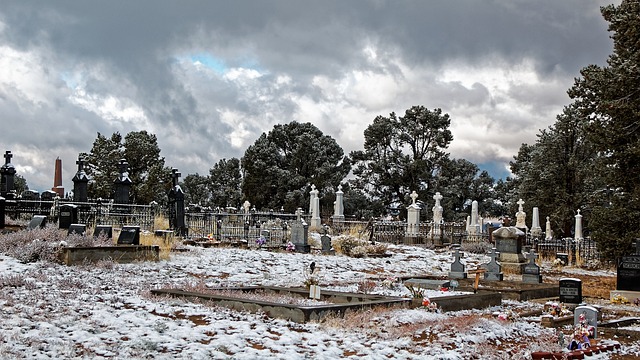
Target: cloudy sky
209	77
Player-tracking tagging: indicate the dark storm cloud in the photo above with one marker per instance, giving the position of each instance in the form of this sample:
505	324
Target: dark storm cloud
76	68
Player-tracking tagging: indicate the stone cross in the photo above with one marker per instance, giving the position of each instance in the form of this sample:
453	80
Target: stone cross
520	203
80	164
7	156
174	175
413	197
532	256
437	197
299	214
493	254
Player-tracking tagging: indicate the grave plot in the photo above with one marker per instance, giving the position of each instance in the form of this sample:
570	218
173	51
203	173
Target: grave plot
329	302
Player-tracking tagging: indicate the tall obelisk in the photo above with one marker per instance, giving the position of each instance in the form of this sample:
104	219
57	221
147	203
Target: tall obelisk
57	179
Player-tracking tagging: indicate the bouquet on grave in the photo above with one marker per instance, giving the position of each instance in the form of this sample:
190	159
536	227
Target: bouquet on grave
291	247
261	241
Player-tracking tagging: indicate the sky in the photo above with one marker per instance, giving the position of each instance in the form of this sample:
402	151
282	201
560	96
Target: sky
209	77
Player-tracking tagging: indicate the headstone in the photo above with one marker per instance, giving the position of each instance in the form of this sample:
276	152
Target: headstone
578	227
68	215
7	175
107	230
628	272
493	267
586	316
37	221
338	206
509	241
315	207
548	233
570	290
531	271
176	205
521	216
536	230
436	230
457	268
80	181
129	235
79	229
122	184
300	234
2	207
325	240
474	226
413	217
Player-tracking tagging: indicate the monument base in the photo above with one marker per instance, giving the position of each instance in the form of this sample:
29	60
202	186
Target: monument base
304	249
513	267
627	294
532	279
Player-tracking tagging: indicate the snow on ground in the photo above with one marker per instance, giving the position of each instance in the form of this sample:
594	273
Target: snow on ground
105	310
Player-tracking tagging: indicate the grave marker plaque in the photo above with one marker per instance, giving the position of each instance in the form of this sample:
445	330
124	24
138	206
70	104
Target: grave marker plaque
628	273
570	290
107	230
79	229
37	221
129	235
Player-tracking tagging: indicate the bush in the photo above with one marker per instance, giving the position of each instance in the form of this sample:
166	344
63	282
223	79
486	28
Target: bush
352	246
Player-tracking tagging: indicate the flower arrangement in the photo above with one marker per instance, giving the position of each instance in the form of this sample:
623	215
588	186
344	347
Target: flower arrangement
507	315
556	309
558	263
431	306
391	283
261	241
290	247
416	293
619	299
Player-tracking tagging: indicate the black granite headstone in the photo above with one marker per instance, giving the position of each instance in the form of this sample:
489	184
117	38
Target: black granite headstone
68	215
37	221
79	229
325	240
129	235
570	290
107	230
629	273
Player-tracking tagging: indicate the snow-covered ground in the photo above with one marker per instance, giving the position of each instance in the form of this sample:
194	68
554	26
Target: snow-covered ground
105	310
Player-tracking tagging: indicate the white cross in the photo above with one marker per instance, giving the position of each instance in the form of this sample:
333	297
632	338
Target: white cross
413	197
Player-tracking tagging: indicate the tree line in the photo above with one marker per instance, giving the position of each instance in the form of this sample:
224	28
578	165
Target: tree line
588	160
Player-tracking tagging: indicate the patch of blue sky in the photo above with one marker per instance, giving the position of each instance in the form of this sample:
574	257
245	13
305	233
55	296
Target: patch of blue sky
496	169
211	62
70	79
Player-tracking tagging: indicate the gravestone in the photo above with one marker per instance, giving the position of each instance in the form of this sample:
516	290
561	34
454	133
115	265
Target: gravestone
129	235
107	230
122	184
68	215
586	316
325	240
493	267
628	271
300	234
509	241
80	181
457	268
37	221
2	206
570	290
531	271
176	205
79	229
7	175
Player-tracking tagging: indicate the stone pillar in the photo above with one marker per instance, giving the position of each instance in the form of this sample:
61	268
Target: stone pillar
413	217
578	232
548	233
57	178
7	174
122	184
474	227
338	207
536	230
315	208
80	181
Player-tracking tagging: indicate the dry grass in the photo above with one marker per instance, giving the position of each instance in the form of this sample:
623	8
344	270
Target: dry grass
166	243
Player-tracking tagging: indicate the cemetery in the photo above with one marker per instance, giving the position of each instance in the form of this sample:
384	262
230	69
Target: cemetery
308	270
